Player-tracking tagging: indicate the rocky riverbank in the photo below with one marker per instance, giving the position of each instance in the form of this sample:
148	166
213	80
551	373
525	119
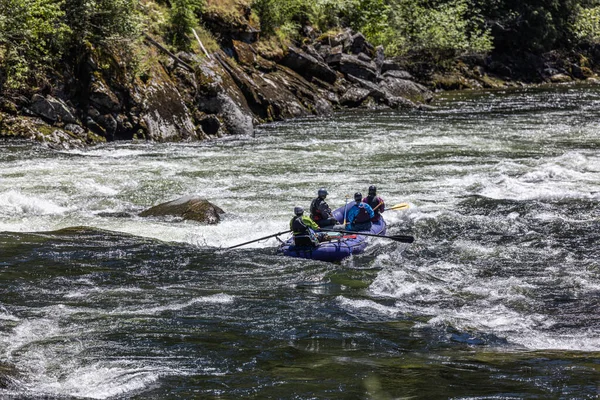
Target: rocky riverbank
187	96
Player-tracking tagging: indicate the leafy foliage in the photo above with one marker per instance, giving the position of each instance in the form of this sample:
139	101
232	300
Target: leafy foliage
533	26
587	24
36	34
449	28
453	26
182	18
275	14
99	21
32	34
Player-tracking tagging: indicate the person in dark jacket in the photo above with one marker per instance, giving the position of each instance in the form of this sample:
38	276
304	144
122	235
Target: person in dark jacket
320	211
303	229
359	216
376	203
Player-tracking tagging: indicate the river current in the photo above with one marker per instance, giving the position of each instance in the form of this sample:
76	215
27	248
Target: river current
497	298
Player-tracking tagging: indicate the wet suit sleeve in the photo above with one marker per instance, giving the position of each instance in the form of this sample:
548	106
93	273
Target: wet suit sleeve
325	210
382	206
352	213
309	222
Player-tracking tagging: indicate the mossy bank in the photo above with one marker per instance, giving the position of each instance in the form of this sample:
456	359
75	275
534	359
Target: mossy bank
224	74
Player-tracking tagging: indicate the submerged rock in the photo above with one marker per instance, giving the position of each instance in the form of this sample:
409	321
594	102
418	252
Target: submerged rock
117	214
188	208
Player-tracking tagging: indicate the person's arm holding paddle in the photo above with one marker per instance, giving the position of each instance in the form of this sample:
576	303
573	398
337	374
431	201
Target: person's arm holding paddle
376	202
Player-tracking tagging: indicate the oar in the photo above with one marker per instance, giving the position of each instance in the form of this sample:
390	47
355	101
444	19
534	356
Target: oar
345	209
397	238
401	206
262	238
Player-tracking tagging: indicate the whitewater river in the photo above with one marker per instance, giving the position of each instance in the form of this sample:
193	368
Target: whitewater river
497	298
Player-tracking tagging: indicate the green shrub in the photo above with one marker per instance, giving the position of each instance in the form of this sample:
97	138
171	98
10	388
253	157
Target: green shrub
446	30
100	21
587	24
286	14
182	18
533	26
32	34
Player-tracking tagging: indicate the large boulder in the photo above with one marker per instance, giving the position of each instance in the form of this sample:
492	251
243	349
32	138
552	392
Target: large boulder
274	94
352	65
219	93
343	39
237	122
103	98
359	44
400	74
308	65
188	208
163	111
355	96
52	109
407	89
71	136
375	91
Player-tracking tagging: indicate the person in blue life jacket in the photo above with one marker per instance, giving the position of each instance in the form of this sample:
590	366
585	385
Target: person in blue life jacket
320	211
359	216
303	229
376	203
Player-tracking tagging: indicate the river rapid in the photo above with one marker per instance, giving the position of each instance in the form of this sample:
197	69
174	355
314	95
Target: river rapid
497	298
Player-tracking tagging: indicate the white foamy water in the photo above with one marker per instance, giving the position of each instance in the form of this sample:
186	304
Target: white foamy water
214	299
16	204
503	207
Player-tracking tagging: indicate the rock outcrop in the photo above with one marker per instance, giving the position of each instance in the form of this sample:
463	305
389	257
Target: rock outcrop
192	97
187	208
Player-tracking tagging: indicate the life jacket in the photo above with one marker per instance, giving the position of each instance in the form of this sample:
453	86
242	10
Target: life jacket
315	213
362	216
374	202
298	227
303	235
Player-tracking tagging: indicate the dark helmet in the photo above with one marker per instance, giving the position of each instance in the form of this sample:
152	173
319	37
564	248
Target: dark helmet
358	197
298	211
322	192
372	190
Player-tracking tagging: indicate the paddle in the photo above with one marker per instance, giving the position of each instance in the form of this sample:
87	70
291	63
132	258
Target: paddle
401	206
345	210
262	238
397	238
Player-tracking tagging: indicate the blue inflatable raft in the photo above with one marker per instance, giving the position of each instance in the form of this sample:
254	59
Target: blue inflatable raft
337	246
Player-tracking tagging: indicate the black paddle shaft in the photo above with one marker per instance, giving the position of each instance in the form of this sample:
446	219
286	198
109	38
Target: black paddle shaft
262	238
397	238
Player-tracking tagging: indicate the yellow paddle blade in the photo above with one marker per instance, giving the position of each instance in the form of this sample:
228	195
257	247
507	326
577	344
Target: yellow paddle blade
401	206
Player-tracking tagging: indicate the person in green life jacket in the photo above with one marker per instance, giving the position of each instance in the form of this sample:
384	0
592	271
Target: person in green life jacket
303	228
359	216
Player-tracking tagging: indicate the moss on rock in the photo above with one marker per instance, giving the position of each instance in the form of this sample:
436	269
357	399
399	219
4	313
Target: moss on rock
188	208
